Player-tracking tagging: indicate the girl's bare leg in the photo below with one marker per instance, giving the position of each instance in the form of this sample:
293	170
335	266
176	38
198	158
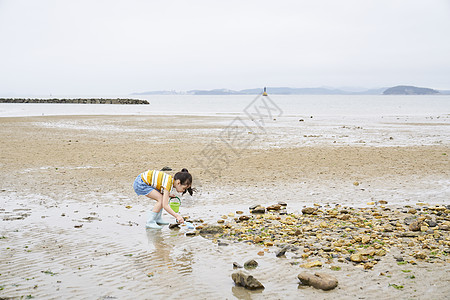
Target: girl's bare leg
158	197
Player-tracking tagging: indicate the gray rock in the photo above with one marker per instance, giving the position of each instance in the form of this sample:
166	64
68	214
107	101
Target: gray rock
250	264
431	223
415	226
258	210
282	251
211	229
246	280
318	280
409	220
237	265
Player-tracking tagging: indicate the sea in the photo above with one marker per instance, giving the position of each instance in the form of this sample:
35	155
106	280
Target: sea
210	105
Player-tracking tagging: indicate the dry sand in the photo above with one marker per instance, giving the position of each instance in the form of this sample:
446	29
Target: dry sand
73	227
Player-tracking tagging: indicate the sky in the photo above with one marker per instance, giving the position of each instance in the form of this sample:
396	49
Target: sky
95	47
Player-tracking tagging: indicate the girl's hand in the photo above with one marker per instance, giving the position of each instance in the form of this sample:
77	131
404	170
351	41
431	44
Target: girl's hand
180	219
172	196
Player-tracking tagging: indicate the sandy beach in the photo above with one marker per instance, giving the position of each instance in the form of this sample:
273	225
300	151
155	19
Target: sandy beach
74	228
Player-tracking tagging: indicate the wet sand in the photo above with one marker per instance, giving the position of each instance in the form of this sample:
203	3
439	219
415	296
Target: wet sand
73	227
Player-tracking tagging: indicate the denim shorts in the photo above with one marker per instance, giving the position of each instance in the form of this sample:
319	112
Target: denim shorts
140	187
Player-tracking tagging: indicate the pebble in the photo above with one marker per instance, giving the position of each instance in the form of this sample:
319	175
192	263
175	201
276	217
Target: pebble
322	234
312	264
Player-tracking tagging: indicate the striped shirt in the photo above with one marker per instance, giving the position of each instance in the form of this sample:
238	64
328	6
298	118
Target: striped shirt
159	180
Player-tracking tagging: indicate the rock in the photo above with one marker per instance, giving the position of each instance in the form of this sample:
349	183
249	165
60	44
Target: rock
323	224
398	258
368	266
274	207
282	252
414	226
383	202
412	211
318	280
211	229
246	280
282	203
258	210
308	210
237	265
431	223
250	264
409	220
408	234
174	226
312	264
244	218
420	255
365	239
191	233
356	257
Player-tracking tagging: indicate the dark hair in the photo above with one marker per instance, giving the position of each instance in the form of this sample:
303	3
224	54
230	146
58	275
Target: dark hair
185	179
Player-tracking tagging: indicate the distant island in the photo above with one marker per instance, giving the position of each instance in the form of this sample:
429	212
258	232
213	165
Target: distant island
409	90
78	101
397	90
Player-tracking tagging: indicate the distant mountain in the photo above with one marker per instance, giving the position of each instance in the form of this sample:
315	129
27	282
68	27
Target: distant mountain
409	90
270	90
396	90
213	92
295	91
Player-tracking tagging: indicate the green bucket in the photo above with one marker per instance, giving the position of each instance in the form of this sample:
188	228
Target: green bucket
175	203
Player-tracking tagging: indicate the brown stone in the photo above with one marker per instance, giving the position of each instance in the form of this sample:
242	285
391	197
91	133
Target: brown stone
414	226
318	280
308	210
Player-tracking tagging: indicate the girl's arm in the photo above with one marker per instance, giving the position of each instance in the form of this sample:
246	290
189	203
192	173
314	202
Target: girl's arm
165	204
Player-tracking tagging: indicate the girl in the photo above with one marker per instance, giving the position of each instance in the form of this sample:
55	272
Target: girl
158	185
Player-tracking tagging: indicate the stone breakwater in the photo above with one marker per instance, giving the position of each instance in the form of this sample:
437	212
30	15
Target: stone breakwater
78	101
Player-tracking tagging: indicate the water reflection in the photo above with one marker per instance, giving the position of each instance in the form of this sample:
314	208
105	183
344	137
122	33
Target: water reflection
241	293
169	250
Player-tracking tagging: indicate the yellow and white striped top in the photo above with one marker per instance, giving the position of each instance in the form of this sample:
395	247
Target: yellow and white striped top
157	179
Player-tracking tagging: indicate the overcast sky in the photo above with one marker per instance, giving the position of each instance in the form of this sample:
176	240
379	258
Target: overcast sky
118	47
